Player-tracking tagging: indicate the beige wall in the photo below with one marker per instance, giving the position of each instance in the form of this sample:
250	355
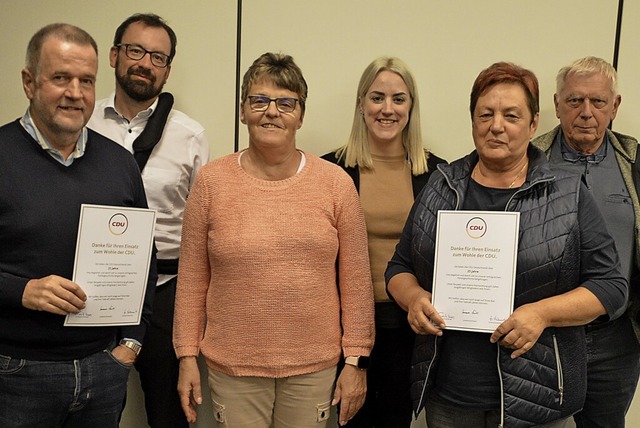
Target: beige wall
445	43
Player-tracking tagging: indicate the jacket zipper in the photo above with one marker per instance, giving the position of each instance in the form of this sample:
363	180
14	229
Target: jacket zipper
543	180
452	187
560	379
424	387
501	389
555	344
559	368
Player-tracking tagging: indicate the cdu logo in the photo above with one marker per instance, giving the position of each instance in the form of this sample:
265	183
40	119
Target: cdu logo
476	228
118	224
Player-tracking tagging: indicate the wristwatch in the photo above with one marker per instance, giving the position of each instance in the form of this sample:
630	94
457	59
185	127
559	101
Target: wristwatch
131	345
359	362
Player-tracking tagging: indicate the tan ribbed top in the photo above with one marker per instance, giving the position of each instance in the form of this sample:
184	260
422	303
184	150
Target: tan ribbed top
387	196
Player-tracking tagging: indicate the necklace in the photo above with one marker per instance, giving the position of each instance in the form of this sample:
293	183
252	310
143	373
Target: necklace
476	171
518	174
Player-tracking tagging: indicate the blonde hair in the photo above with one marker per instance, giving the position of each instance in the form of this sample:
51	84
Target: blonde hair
356	151
585	67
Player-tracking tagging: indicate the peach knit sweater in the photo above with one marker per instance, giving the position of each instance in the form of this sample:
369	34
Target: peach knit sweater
257	292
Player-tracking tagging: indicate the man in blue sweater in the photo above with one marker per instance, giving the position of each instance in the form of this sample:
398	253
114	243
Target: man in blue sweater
52	375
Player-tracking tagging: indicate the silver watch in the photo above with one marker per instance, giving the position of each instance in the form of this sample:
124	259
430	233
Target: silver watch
131	345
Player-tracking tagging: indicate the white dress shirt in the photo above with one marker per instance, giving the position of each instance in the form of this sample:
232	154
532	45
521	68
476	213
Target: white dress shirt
170	171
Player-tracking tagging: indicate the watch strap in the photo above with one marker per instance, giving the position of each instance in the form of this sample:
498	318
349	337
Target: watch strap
135	347
359	362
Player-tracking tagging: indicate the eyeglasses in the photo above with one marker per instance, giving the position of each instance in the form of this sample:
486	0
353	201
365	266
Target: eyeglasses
261	103
574	157
137	52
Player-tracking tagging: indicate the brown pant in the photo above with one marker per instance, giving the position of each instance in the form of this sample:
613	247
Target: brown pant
302	401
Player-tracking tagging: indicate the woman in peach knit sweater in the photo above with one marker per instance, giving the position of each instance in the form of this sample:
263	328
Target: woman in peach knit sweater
274	281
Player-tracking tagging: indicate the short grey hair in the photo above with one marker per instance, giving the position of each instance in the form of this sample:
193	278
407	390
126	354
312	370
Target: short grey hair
66	32
585	67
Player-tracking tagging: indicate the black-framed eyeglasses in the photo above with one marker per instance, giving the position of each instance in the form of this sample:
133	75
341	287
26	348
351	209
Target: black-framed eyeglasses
137	52
261	103
573	157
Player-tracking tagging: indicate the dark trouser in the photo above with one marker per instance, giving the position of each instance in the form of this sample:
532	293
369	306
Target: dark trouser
87	392
441	414
158	365
388	404
613	366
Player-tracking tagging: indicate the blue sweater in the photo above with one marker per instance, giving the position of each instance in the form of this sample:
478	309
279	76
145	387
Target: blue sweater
39	213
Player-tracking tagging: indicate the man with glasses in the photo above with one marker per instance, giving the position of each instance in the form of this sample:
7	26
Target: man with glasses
170	148
586	103
52	375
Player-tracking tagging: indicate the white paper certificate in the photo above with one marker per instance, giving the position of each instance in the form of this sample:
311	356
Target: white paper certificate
113	253
475	268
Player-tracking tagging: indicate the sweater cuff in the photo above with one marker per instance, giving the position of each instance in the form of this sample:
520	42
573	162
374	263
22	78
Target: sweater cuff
187	351
12	290
356	351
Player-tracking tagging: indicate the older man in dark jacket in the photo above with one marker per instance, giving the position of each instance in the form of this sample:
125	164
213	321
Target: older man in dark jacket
586	102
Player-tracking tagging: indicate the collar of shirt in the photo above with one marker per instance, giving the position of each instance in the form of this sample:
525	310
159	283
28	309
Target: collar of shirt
141	117
33	130
120	129
569	154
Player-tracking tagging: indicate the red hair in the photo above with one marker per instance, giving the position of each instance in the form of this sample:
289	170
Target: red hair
506	72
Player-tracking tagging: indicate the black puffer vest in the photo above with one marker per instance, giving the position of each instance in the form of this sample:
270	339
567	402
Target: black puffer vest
549	381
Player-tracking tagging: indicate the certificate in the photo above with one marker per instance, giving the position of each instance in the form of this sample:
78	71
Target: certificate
475	268
113	253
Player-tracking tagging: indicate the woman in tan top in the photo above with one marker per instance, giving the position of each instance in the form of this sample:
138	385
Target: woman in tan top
274	281
387	161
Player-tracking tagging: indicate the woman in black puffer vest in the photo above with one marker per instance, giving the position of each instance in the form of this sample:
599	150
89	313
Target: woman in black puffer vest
531	371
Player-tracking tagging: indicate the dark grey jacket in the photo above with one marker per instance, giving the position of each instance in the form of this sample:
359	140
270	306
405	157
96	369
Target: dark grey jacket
549	382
